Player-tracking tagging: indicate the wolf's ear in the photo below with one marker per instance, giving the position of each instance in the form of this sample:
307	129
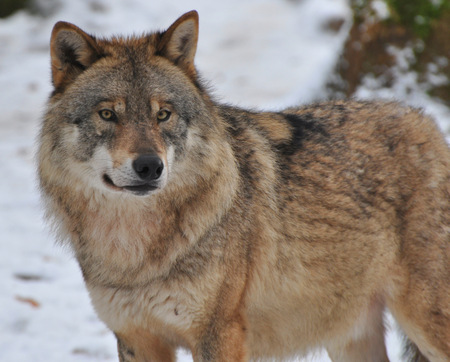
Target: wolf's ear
179	42
71	52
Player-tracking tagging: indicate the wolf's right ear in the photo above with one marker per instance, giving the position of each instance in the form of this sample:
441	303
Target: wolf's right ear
179	42
71	52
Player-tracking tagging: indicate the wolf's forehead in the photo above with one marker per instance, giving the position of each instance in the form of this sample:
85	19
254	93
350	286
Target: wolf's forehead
144	76
134	47
119	87
137	82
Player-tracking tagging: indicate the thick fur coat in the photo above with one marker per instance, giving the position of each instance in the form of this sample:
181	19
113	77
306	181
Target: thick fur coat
235	234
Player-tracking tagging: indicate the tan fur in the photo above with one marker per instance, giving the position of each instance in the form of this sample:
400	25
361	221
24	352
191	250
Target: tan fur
268	234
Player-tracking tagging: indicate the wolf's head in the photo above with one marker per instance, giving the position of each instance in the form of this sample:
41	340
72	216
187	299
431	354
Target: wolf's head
126	113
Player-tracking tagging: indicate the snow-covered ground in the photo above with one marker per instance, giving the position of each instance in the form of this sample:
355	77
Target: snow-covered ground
256	53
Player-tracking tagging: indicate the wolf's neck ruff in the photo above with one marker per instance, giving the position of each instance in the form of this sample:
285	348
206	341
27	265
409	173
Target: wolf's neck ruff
100	237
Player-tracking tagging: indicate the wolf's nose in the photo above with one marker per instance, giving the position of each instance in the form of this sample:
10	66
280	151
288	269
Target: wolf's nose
148	167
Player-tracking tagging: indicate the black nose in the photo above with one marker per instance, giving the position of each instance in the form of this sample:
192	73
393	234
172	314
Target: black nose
148	167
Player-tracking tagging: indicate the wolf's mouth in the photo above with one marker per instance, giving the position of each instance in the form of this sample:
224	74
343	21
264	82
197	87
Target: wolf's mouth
136	189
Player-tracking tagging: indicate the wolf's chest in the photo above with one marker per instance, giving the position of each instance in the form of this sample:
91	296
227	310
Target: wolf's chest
144	308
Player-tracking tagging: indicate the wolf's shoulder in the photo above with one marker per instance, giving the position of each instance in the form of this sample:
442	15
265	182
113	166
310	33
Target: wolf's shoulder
290	129
327	126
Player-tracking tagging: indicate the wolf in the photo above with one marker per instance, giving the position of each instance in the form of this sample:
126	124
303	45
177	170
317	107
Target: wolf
235	234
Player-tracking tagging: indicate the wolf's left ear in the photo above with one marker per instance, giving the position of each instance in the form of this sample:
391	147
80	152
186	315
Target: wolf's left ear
179	42
71	52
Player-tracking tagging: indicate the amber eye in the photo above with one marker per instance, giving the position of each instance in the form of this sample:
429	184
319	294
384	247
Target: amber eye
163	115
107	115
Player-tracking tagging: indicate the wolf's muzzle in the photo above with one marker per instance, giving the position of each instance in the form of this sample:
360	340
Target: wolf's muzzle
148	169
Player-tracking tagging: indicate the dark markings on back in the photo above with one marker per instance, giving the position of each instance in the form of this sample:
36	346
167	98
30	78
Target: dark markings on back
304	127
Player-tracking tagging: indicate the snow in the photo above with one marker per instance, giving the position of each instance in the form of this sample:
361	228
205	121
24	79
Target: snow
381	9
256	53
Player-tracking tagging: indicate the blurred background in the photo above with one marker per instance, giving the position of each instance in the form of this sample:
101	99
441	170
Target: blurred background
263	54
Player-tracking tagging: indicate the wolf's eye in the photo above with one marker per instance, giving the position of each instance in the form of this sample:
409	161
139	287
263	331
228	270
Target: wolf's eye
163	115
107	115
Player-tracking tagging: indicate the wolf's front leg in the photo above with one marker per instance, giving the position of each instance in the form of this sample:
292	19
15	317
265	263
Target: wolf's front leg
144	348
223	341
